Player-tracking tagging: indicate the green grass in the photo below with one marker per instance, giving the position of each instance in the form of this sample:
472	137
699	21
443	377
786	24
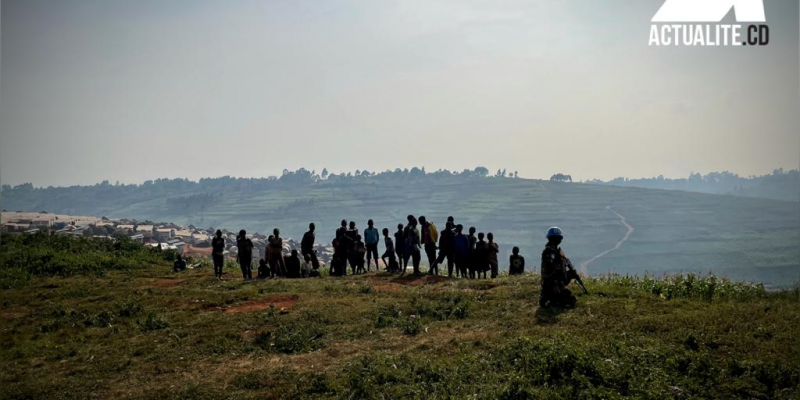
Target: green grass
148	333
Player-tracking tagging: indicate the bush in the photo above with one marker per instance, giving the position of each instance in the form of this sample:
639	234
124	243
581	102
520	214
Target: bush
291	337
42	254
152	323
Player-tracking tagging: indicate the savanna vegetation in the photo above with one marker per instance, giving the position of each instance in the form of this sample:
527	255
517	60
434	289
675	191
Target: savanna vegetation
143	332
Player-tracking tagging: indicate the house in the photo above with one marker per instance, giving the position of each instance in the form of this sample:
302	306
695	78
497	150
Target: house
138	238
164	234
146	230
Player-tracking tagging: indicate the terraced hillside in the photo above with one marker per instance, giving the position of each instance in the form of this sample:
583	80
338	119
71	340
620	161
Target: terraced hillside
668	231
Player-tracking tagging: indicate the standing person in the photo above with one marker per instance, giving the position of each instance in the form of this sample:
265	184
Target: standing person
307	246
516	263
447	248
371	238
391	264
554	272
360	251
245	254
277	248
412	237
351	234
399	240
473	242
343	243
217	250
430	235
481	256
339	261
461	250
492	254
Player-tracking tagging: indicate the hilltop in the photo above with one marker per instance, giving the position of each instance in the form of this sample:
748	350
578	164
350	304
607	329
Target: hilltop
140	331
673	231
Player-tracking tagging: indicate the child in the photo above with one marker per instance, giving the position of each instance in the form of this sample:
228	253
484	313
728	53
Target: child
361	251
492	254
516	263
391	265
481	256
293	265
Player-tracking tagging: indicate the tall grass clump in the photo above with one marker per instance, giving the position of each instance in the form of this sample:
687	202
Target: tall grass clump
688	286
43	254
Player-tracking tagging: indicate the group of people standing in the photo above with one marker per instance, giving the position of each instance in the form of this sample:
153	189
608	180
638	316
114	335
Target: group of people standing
468	255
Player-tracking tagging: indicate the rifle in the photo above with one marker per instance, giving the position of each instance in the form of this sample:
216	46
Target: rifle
573	274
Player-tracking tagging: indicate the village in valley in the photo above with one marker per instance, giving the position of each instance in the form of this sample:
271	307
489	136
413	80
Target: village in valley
188	241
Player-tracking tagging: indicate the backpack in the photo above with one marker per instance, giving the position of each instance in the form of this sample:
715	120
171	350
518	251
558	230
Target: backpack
433	232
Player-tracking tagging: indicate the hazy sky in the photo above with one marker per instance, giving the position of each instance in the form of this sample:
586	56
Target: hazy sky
140	89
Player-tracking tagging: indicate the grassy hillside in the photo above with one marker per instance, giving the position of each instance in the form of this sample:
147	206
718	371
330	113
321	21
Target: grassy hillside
148	333
743	238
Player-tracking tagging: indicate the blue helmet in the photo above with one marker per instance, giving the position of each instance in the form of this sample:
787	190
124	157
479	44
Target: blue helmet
554	231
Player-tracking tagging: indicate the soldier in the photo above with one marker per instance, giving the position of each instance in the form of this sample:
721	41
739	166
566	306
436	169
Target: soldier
245	254
554	273
371	238
516	263
218	248
307	246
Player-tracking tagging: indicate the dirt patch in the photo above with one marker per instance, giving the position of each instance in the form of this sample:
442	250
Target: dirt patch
281	302
12	314
167	282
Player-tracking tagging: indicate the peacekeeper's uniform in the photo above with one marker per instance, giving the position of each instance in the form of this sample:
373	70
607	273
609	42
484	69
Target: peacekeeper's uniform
554	278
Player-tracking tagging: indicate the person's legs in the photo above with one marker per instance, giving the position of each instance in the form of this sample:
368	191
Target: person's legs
244	265
495	270
416	258
219	261
430	252
450	265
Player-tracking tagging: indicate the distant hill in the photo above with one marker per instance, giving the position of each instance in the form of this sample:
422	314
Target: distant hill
780	185
743	238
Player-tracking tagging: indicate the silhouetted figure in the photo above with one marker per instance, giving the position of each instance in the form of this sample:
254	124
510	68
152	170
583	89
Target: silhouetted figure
388	256
271	254
293	265
493	249
217	253
554	272
339	261
461	250
371	238
412	238
343	243
360	250
516	262
430	235
276	243
481	256
245	254
307	246
400	245
179	264
313	272
447	248
473	242
351	234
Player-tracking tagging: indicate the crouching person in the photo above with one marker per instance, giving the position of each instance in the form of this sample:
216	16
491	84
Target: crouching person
554	273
